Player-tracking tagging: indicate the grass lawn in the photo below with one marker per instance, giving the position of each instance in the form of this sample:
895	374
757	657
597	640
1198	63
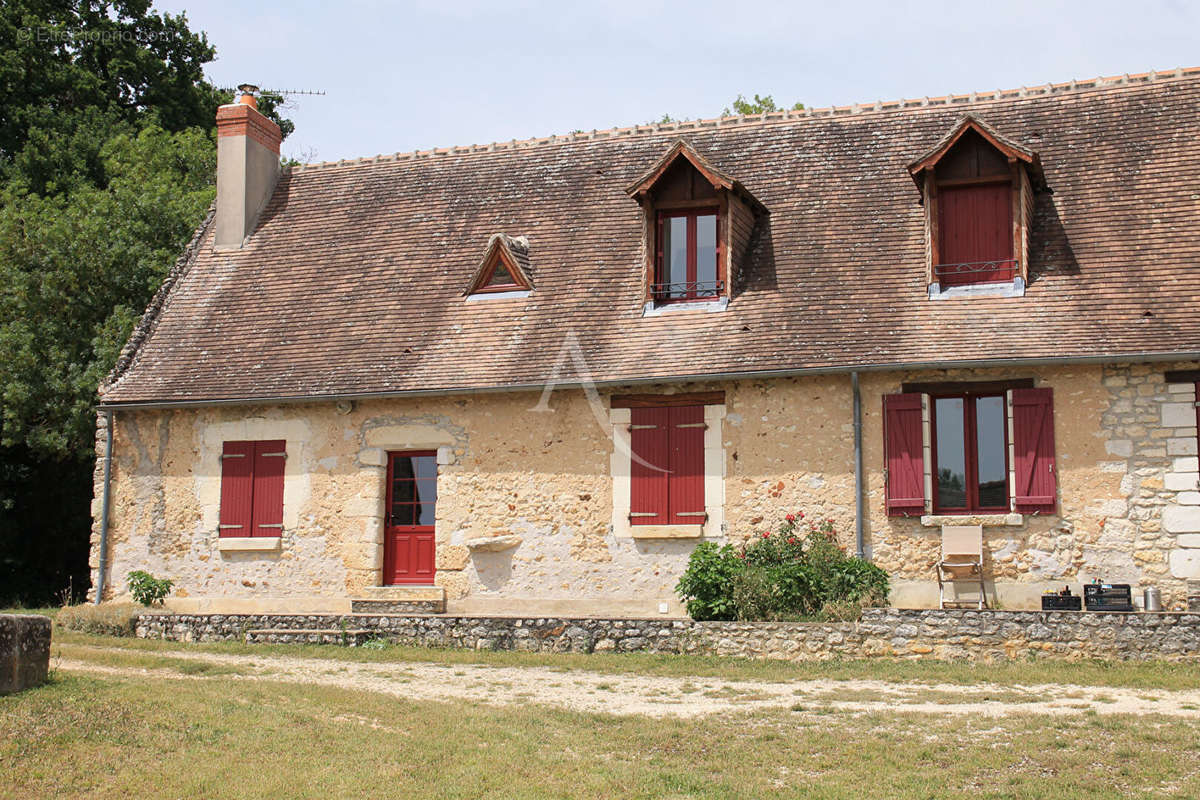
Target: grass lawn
213	737
211	734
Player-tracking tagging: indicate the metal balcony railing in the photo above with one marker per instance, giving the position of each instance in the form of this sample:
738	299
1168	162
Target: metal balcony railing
976	271
686	290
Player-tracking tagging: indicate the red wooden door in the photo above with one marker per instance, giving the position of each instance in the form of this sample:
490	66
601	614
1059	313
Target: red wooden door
976	230
408	546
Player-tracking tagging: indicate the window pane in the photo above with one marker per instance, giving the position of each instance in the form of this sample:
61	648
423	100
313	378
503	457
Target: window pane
414	490
989	439
951	453
425	467
404	514
706	253
501	276
674	256
403	491
402	467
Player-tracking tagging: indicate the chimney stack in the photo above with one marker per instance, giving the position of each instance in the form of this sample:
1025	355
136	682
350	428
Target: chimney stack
247	167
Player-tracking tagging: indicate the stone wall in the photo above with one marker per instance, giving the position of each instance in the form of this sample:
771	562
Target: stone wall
892	633
24	651
539	479
1152	444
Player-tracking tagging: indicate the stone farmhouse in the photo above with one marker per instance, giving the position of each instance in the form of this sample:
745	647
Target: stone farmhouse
528	377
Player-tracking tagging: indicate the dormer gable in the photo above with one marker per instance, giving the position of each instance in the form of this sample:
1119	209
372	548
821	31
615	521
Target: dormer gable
699	222
977	190
505	270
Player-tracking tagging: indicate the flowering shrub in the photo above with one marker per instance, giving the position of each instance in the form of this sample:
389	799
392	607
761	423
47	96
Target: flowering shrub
796	572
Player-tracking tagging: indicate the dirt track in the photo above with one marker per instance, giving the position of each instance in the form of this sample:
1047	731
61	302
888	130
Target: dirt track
655	696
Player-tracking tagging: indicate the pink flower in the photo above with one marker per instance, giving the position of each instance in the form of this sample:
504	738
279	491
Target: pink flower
801	515
790	517
766	534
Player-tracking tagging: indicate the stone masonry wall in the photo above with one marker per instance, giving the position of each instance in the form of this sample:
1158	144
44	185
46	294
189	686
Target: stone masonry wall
538	480
1151	427
893	633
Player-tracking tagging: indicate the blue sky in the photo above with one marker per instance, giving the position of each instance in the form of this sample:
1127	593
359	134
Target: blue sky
406	76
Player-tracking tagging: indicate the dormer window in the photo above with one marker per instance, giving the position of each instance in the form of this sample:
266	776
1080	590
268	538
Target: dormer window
699	224
978	200
505	271
689	264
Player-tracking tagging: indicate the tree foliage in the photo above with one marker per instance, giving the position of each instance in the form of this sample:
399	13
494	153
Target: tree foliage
107	165
759	105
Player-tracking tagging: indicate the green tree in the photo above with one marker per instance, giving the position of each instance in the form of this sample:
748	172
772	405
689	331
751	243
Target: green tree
758	105
107	165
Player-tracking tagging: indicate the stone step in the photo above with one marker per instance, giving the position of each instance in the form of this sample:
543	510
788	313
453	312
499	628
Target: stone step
400	600
351	637
397	607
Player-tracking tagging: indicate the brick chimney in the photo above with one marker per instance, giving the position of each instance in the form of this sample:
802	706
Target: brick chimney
247	167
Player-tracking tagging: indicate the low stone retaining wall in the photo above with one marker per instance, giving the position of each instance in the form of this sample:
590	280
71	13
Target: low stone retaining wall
882	632
24	651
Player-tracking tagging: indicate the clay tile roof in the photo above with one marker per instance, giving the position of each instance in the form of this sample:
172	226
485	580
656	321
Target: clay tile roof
352	282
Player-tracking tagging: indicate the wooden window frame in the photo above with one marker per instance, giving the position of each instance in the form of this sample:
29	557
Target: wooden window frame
970	452
515	286
690	212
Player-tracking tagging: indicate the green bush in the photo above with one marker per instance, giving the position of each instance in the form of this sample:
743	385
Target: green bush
707	584
147	589
790	574
106	619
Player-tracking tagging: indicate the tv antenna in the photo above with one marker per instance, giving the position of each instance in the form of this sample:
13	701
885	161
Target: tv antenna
316	93
249	88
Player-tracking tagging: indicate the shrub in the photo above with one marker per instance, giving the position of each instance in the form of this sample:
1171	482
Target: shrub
147	589
706	586
106	619
785	575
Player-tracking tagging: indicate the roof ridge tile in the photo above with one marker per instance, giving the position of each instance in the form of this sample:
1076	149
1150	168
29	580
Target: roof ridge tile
766	118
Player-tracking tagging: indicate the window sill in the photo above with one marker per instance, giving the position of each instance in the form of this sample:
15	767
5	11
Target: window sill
653	309
666	531
479	297
987	520
243	544
1014	289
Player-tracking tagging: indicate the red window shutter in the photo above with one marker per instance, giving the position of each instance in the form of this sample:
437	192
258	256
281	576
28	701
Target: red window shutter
975	225
649	467
904	454
1033	445
237	488
686	481
269	461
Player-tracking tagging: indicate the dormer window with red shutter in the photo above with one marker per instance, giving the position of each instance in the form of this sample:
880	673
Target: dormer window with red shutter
977	189
970	449
699	224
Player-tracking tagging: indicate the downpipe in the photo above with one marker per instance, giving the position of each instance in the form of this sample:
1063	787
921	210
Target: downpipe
859	548
105	497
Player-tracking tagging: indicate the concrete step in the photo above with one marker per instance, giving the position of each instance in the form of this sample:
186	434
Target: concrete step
351	637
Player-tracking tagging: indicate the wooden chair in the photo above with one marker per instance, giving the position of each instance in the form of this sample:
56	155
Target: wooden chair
962	562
